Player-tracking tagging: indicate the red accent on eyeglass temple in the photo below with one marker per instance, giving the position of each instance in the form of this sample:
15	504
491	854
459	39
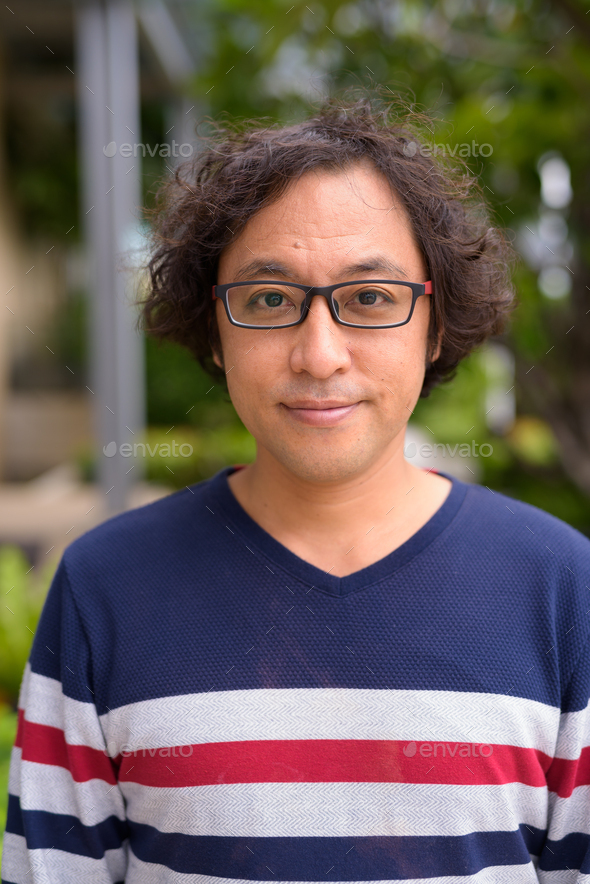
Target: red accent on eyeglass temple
427	289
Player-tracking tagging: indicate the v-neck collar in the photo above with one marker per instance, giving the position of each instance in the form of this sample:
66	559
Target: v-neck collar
221	500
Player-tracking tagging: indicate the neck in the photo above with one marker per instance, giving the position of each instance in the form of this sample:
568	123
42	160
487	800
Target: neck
372	513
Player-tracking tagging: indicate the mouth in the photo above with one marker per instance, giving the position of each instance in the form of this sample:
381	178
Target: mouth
328	413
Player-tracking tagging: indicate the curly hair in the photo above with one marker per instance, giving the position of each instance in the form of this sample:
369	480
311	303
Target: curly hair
244	168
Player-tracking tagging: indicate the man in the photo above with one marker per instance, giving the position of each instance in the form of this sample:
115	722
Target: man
327	665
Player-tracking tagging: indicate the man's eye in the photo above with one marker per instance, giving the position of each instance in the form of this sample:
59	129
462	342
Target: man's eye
272	299
268	299
370	297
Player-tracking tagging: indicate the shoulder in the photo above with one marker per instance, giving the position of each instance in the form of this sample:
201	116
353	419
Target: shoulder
143	539
521	526
529	571
529	553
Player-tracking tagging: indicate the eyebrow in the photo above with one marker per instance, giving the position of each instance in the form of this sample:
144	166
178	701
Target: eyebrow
253	269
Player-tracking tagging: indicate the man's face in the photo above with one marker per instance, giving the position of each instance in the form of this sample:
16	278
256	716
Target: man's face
327	402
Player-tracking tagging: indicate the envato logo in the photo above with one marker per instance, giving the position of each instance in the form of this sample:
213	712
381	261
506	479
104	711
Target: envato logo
465	149
436	750
163	150
114	750
463	450
167	449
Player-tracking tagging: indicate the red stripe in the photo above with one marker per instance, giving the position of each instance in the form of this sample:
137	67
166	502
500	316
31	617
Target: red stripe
312	761
333	761
47	745
564	775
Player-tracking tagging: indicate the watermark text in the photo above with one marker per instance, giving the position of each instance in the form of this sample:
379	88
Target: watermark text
464	449
144	449
465	149
442	750
140	149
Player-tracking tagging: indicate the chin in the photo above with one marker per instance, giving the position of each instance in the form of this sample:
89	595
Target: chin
326	465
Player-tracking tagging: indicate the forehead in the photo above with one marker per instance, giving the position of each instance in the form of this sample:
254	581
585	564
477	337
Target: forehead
342	210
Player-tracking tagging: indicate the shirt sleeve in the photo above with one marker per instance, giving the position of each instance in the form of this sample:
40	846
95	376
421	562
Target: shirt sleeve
566	853
66	815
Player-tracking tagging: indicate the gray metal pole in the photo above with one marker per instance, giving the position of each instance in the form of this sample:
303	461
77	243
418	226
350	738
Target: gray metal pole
108	98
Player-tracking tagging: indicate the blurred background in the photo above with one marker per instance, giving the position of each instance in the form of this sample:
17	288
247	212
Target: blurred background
99	100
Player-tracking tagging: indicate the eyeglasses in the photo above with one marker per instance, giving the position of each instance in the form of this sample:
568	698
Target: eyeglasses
366	303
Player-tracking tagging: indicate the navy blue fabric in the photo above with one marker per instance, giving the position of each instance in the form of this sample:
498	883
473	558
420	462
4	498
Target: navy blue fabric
62	646
62	832
14	816
570	851
221	502
190	595
533	838
489	596
329	859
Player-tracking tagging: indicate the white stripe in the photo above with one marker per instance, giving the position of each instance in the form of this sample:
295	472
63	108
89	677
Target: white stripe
45	703
574	733
266	810
51	788
563	877
14	771
569	815
48	866
339	713
153	873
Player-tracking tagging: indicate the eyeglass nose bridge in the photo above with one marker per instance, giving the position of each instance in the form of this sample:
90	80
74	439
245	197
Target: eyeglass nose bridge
322	291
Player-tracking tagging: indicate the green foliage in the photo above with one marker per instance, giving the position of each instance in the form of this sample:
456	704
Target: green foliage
541	486
41	143
187	455
41	149
532	441
68	336
180	392
183	454
22	595
455	412
152	133
22	592
181	395
524	463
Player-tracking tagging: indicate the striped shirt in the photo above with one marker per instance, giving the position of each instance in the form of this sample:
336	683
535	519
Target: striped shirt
202	705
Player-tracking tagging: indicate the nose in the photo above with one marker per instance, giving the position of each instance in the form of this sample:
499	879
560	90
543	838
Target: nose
319	345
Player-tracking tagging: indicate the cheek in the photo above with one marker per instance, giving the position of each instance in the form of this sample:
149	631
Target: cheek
252	367
401	355
243	392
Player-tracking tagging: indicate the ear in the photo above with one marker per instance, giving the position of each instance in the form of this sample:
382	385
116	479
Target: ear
215	340
436	353
217	359
434	347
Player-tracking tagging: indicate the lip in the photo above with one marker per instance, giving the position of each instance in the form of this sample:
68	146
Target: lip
320	414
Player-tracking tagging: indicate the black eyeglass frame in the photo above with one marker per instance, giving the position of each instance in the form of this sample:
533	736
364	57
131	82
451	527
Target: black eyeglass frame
325	291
